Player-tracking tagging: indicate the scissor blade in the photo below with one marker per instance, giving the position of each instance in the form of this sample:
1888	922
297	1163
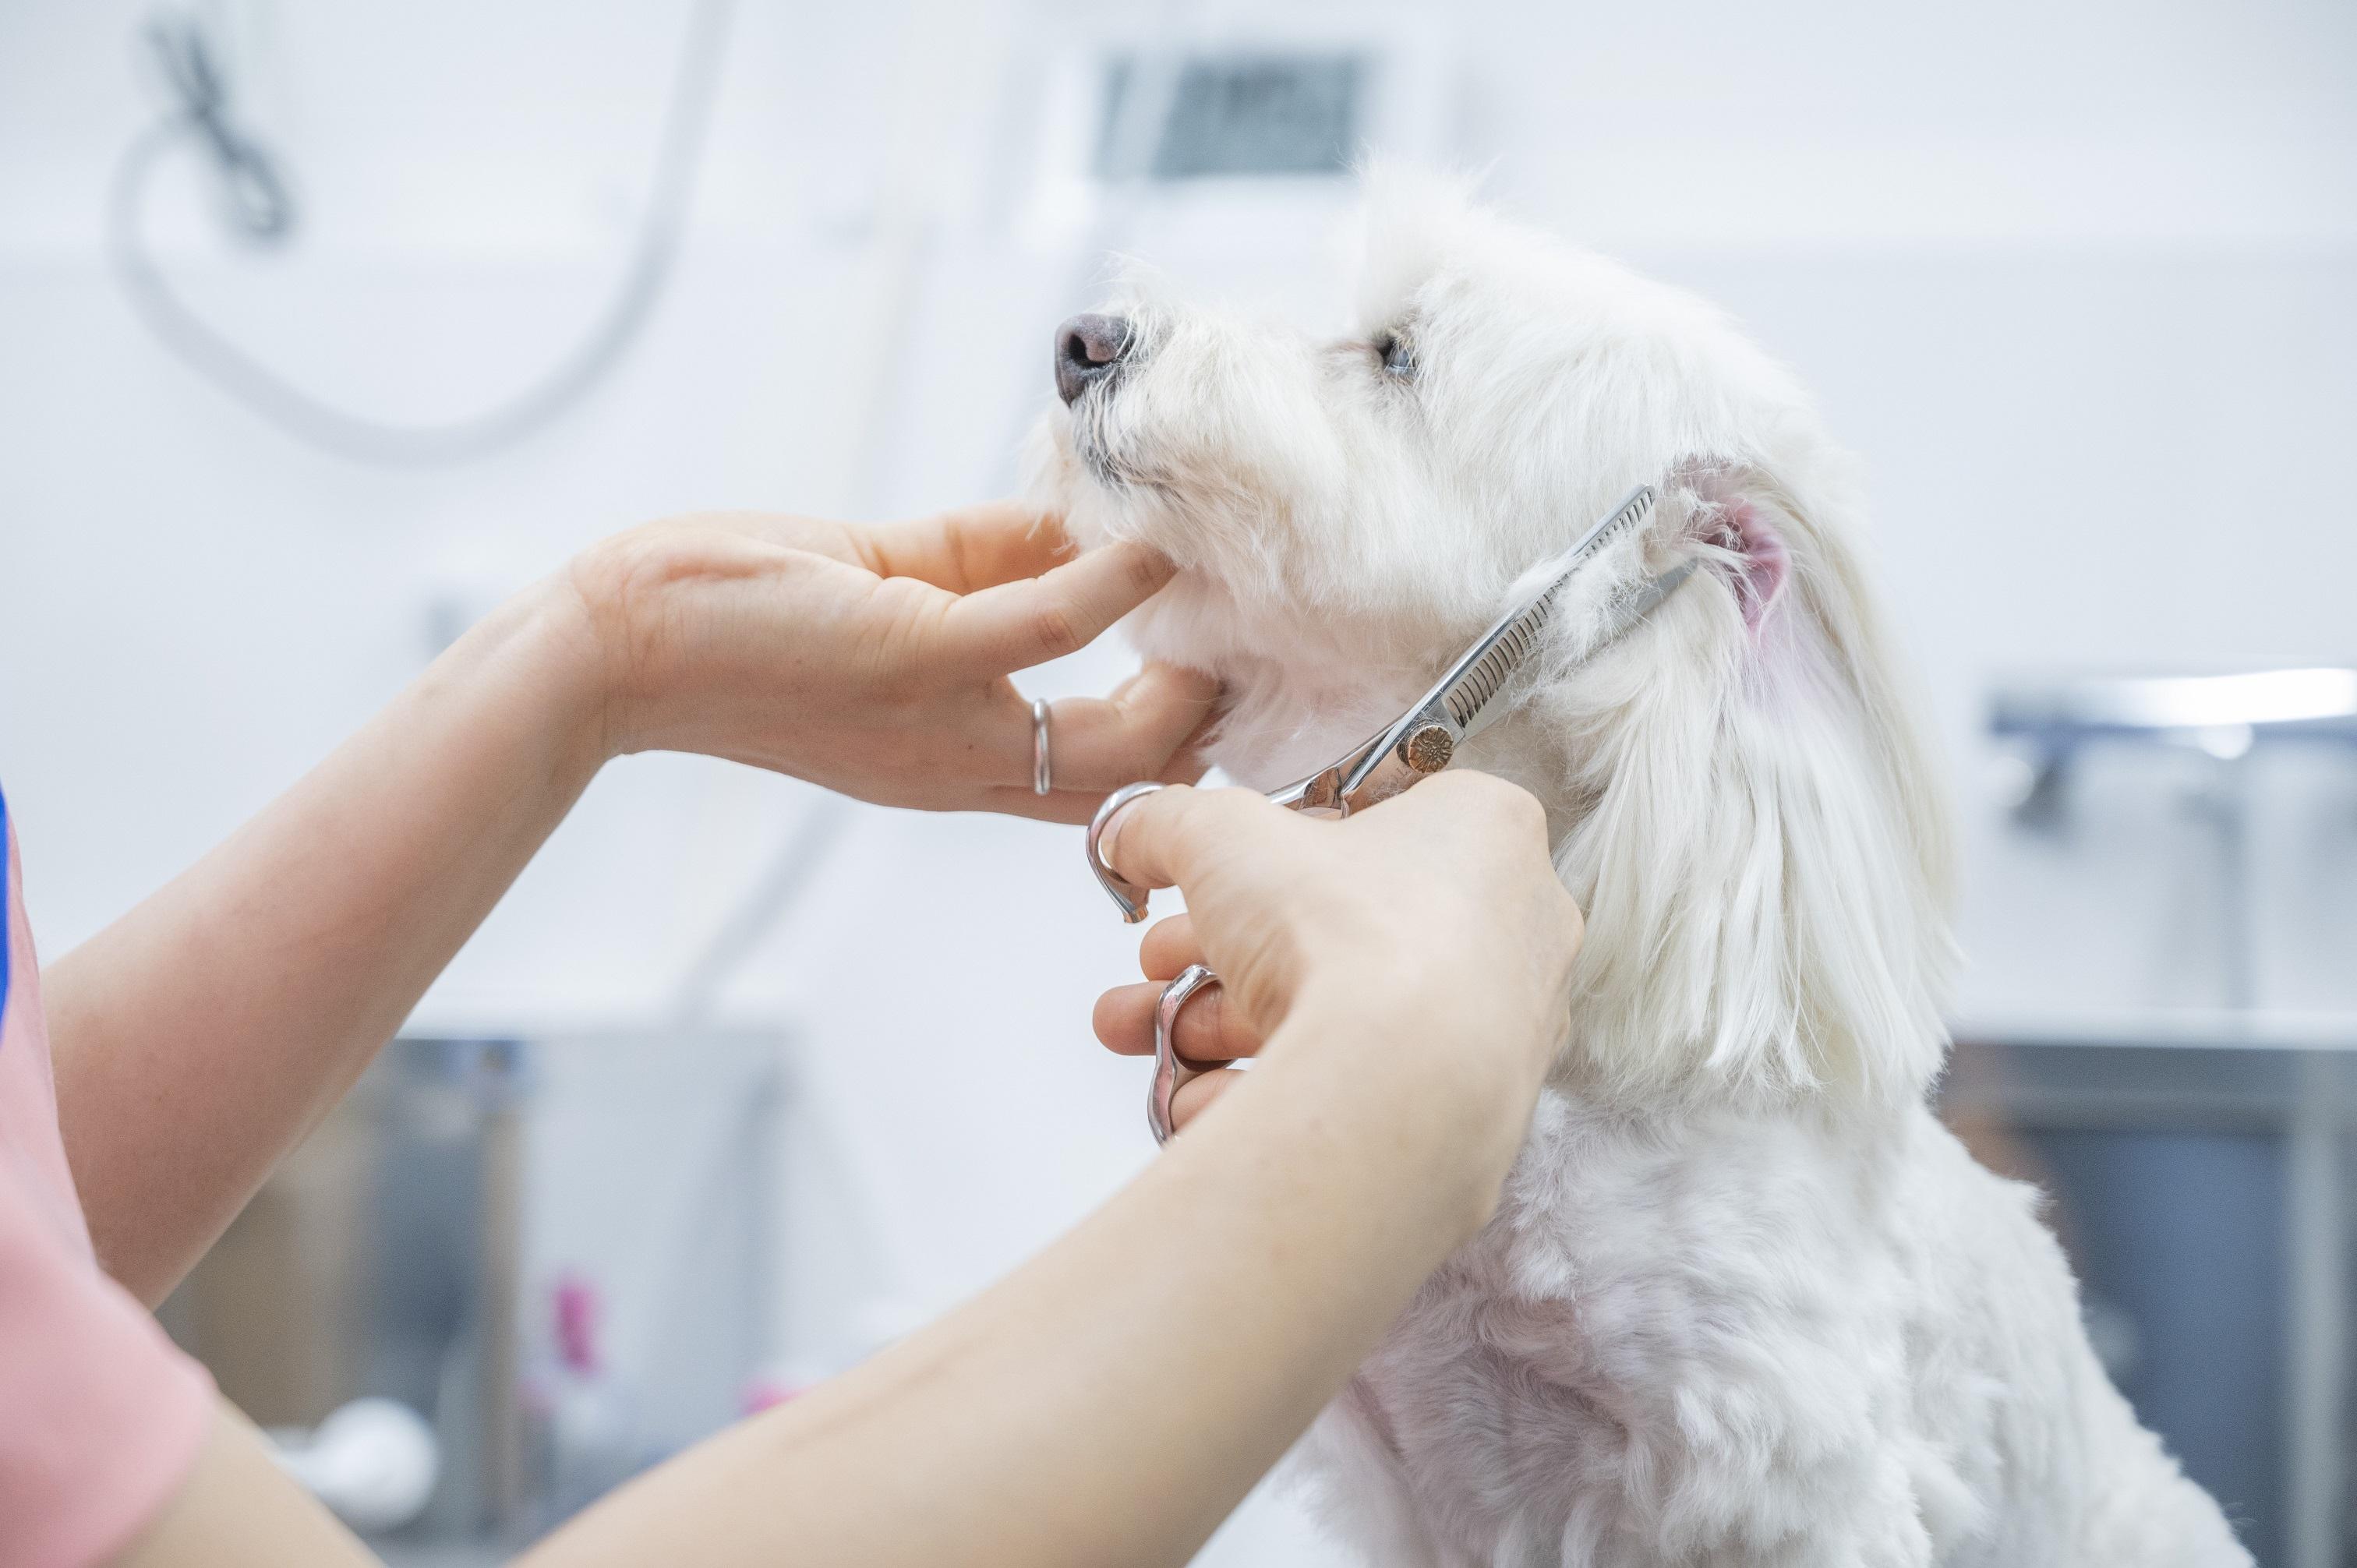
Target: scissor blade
1477	679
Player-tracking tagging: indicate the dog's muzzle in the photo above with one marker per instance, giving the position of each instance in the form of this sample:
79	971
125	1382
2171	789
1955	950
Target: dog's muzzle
1090	351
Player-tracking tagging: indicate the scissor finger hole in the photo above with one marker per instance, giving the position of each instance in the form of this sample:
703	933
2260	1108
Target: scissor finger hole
1172	1071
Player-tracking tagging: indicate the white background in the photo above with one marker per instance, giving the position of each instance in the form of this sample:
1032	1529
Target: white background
2080	283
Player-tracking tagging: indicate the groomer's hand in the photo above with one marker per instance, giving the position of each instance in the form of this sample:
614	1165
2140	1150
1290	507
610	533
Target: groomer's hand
1427	939
875	660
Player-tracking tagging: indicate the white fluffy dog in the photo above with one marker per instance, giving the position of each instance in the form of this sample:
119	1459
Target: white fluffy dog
1746	1302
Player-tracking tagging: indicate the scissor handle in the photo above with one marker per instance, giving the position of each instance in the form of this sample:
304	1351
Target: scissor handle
1171	1071
1128	895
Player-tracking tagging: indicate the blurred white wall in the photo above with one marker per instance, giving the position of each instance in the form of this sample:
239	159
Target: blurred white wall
2080	283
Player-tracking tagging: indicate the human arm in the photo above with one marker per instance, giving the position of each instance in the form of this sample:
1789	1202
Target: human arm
201	1035
1111	1400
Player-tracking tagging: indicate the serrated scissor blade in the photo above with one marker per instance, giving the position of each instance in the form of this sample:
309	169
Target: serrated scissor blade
1468	690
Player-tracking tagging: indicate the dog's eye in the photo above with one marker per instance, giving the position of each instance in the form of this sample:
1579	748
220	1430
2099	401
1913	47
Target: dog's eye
1398	359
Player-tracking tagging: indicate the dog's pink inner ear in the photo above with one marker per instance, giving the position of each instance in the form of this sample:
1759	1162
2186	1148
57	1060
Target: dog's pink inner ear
1749	532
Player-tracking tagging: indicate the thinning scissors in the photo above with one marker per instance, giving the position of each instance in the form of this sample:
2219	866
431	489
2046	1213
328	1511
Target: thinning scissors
1419	743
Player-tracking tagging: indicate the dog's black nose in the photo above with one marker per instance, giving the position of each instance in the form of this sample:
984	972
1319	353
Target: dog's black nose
1088	349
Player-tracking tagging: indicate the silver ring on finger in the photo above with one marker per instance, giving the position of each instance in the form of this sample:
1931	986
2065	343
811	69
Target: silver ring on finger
1043	767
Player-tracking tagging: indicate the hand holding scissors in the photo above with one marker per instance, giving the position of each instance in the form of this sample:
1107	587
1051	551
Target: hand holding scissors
1437	919
1420	743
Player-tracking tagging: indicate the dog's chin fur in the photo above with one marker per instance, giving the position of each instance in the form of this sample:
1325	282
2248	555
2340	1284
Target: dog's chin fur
1745	1301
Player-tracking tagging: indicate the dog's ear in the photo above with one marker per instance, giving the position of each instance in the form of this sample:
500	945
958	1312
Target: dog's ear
1745	525
1765	861
1762	558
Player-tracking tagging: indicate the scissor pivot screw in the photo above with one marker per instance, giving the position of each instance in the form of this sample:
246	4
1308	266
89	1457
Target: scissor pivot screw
1428	747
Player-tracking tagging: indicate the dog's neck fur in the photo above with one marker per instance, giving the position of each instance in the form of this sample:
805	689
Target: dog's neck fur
1743	809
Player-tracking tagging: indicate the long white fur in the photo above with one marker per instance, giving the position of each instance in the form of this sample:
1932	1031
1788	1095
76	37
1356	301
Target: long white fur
1744	1301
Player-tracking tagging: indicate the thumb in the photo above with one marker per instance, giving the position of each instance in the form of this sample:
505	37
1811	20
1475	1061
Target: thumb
1168	838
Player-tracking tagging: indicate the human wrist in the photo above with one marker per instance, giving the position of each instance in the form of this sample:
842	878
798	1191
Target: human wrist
1418	1142
1494	1039
596	605
543	644
1459	1082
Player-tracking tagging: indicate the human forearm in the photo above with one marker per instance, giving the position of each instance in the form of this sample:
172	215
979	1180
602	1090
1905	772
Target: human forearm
198	1037
1105	1405
1113	1398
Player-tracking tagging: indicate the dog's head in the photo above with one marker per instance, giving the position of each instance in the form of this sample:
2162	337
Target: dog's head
1740	799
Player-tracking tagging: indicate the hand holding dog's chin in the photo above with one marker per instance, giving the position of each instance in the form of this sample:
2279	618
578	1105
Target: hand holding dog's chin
875	662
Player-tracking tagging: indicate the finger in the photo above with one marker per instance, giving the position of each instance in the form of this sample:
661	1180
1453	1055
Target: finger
1163	839
1170	946
1154	725
1104	743
1193	758
1196	1095
1019	624
1210	1028
970	548
1124	1019
1074	808
1139	731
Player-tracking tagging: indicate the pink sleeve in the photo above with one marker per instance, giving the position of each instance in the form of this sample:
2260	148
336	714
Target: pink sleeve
101	1416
